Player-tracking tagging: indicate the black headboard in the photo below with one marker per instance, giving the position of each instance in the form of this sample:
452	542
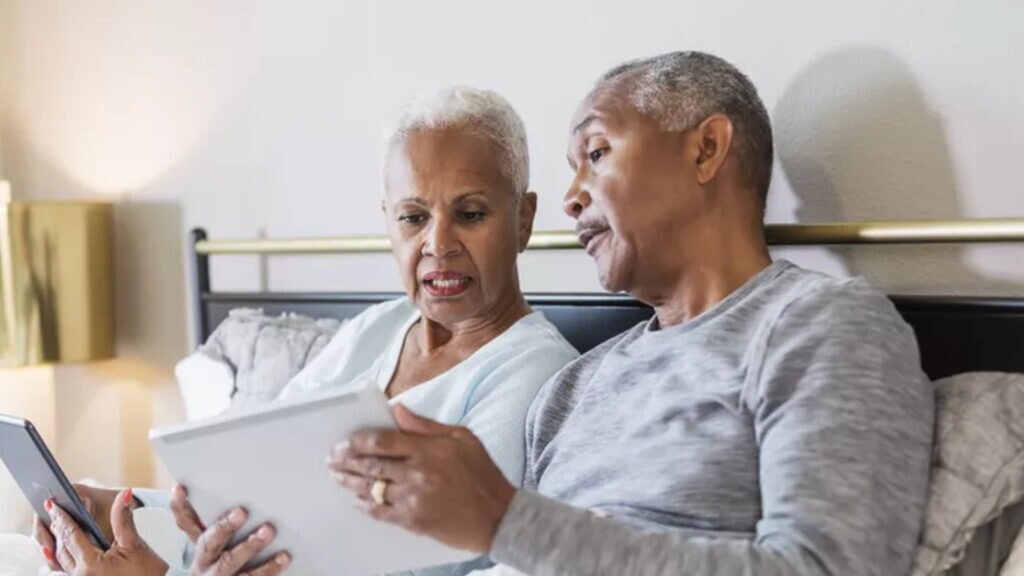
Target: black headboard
956	334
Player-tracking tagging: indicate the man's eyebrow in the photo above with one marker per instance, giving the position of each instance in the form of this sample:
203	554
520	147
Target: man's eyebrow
585	122
466	195
412	200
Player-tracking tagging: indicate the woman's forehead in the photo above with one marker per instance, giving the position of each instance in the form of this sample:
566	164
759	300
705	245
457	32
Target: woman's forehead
431	161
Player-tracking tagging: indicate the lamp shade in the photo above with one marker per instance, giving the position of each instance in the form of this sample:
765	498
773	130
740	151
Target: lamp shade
56	277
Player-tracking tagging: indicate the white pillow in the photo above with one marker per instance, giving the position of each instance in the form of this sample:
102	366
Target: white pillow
977	463
206	385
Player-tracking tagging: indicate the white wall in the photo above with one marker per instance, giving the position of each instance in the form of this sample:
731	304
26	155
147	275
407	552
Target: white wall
252	117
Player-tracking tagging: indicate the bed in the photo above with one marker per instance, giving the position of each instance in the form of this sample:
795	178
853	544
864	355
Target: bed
956	335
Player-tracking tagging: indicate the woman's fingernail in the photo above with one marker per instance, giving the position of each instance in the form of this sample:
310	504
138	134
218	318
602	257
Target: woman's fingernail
264	533
48	504
237	516
127	496
283	559
47	553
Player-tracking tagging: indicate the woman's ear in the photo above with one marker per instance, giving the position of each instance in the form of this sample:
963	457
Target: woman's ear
714	141
527	212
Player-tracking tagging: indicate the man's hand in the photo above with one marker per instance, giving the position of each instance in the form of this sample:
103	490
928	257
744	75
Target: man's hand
441	481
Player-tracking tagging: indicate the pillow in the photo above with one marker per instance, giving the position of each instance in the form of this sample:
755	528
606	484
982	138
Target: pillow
250	357
977	462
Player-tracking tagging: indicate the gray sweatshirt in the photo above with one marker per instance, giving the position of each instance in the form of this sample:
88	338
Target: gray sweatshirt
785	431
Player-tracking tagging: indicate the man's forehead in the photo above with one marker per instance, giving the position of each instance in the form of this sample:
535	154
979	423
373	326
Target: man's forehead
607	102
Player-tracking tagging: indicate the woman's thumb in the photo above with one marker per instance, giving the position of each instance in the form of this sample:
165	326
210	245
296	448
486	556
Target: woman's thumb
122	522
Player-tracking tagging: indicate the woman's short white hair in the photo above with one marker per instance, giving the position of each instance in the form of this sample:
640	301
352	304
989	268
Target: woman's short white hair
484	112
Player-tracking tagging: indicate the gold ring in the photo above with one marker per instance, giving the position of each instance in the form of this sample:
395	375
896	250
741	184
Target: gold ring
377	491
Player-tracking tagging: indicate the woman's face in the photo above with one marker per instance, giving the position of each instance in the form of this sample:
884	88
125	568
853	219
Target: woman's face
455	227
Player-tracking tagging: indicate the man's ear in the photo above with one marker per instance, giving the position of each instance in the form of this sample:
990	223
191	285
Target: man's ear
714	142
527	212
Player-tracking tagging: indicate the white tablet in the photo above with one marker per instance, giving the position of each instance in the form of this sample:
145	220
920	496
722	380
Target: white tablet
271	461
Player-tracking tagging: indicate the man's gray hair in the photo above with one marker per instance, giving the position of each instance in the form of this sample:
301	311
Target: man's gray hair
681	89
482	112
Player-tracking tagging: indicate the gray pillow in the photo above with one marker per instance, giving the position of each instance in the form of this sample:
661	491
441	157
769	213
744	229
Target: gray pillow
977	463
265	352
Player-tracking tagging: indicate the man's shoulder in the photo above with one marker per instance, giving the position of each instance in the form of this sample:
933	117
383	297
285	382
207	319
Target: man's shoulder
812	296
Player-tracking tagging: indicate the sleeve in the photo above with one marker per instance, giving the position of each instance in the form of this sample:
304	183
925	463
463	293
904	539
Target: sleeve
843	421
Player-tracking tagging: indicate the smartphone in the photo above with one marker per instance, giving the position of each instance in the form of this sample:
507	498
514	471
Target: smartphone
39	476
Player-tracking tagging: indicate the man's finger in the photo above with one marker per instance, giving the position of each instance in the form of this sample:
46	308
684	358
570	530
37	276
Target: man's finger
231	561
122	522
382	444
71	537
185	515
371	467
358	485
213	540
273	566
409	421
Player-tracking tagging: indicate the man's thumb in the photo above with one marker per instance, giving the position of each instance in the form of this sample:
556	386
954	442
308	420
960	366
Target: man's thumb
122	522
408	421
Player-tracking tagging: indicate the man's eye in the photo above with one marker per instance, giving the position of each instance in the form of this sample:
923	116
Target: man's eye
597	154
471	216
411	218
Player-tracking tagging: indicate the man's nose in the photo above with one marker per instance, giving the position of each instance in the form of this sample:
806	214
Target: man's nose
576	198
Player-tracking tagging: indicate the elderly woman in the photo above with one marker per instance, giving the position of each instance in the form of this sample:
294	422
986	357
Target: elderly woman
463	347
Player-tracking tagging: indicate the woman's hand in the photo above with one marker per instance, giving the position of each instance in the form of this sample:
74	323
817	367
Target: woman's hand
185	515
129	555
440	480
214	558
98	502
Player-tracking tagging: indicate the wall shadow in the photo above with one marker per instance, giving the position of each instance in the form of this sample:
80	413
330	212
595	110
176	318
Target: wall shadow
857	140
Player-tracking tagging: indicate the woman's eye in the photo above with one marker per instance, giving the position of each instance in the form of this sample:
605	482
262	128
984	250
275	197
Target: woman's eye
597	154
472	216
411	218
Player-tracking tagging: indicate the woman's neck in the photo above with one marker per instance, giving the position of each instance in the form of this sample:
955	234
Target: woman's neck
470	334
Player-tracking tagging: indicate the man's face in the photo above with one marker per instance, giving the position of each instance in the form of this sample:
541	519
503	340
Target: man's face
631	195
455	227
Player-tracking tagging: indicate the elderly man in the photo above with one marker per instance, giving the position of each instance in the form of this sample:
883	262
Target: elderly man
768	420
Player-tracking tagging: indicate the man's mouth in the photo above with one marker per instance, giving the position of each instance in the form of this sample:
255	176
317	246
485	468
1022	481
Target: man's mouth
589	234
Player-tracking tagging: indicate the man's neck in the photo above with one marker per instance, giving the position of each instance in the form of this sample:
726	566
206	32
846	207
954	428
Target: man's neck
708	272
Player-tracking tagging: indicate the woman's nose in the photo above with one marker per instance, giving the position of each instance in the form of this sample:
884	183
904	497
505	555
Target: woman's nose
441	241
576	199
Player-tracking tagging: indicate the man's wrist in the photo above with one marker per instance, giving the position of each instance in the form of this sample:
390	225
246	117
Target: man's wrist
504	499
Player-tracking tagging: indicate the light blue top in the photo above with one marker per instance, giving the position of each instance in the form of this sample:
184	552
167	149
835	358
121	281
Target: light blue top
490	392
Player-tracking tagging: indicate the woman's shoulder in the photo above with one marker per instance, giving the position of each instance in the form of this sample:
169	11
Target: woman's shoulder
534	333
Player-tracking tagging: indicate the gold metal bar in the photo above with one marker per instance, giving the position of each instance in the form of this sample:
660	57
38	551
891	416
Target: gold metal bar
989	230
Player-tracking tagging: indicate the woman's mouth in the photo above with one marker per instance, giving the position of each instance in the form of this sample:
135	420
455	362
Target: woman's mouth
445	284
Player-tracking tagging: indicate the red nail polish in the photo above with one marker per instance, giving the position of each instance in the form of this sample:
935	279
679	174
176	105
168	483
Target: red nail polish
127	496
48	504
47	553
